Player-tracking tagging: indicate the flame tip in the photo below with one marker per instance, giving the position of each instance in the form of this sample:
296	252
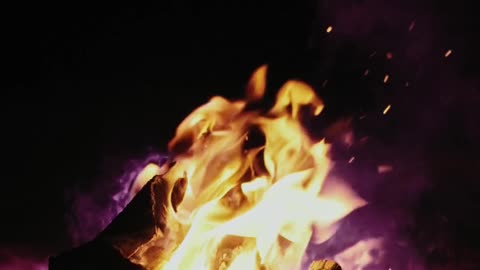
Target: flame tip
257	84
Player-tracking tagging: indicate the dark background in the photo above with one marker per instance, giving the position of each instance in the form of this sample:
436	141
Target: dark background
87	86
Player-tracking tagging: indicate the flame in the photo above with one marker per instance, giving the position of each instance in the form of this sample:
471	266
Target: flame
249	207
147	173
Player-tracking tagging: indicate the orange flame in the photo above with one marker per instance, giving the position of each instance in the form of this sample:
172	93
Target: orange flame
249	208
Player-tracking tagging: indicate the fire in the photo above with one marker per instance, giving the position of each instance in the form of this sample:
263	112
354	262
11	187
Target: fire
144	176
244	206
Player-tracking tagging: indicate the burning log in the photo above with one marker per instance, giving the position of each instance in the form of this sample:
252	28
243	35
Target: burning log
137	224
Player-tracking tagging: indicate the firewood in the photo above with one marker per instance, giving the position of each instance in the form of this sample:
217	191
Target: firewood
324	265
137	224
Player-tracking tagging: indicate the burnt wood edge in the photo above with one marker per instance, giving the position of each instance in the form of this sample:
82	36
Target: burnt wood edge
133	227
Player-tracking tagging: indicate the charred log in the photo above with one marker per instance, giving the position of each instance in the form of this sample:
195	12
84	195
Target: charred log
137	224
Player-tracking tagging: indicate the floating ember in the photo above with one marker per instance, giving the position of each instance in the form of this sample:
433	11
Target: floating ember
245	191
448	53
385	79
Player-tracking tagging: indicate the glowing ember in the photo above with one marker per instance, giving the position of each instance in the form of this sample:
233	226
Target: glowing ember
255	207
385	111
448	53
385	79
389	55
329	29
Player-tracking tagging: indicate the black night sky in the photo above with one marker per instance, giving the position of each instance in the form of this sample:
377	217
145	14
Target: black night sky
87	86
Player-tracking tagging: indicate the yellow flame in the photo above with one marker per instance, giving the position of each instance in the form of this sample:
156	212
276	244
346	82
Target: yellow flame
144	176
257	84
249	207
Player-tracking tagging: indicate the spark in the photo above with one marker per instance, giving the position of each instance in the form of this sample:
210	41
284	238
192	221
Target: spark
351	159
329	29
448	53
385	111
365	73
324	84
389	55
407	84
385	79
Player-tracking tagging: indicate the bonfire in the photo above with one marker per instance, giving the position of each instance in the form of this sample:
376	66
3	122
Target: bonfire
244	190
